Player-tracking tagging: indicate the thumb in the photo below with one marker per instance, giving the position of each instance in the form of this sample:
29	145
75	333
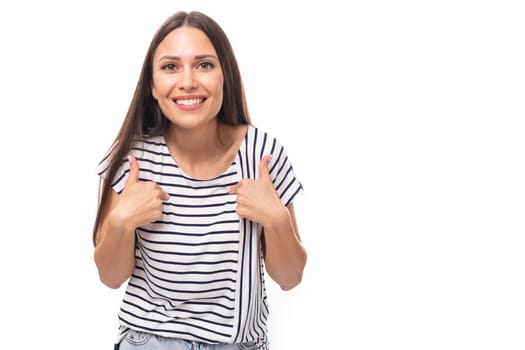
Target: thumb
133	176
264	171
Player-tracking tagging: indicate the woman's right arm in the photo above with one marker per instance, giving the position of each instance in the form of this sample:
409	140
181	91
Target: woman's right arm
115	249
139	203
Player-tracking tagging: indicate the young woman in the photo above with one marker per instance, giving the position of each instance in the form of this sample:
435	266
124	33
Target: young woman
195	201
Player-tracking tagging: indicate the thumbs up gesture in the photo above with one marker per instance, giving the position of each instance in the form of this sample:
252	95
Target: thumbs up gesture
141	201
257	199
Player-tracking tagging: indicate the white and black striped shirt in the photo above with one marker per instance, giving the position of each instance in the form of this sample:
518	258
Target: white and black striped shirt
199	270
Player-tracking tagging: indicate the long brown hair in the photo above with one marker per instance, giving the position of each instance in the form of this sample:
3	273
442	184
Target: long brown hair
144	117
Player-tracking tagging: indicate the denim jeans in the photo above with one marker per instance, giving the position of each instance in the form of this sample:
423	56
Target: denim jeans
144	341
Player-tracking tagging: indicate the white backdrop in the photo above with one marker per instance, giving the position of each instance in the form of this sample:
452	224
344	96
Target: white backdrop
404	120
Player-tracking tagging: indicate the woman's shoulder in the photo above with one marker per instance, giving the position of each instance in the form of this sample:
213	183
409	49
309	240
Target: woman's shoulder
260	136
154	145
151	142
257	133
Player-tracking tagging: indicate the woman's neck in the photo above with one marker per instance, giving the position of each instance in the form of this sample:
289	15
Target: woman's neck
205	152
197	145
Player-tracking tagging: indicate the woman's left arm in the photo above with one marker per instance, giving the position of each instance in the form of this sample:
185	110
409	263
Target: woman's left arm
284	254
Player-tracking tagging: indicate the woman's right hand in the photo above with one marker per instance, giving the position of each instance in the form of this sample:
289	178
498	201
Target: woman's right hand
141	201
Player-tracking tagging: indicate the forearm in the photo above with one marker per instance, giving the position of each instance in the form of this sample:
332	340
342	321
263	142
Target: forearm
285	256
115	253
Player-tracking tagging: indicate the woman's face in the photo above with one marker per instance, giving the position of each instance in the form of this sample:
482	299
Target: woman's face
187	78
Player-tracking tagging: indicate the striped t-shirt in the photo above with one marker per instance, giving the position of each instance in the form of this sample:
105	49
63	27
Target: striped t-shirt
199	271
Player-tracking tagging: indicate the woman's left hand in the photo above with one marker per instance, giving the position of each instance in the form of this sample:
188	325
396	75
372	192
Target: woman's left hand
257	199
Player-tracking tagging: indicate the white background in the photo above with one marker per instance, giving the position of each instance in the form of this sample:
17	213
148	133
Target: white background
404	120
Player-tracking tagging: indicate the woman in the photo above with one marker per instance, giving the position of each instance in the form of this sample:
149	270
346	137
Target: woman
195	201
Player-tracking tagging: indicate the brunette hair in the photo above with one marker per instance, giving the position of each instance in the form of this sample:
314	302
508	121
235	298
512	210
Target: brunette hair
144	117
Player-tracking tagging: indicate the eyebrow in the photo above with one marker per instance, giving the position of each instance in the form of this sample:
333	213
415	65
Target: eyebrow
177	58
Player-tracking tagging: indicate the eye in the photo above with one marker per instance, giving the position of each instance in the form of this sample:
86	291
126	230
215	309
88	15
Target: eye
169	67
206	65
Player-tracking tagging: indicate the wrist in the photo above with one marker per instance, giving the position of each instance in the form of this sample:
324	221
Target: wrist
119	224
279	220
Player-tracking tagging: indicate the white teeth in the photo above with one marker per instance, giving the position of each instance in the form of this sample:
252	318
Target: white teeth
189	102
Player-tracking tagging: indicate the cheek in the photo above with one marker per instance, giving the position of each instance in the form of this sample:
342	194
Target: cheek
217	86
212	83
160	87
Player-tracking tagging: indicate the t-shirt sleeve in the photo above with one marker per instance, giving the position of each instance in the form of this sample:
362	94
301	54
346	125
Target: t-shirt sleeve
284	179
119	180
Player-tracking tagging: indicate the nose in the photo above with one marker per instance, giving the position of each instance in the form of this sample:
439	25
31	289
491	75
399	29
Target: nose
187	81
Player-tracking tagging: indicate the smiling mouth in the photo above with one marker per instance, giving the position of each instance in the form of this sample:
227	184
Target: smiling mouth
189	101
